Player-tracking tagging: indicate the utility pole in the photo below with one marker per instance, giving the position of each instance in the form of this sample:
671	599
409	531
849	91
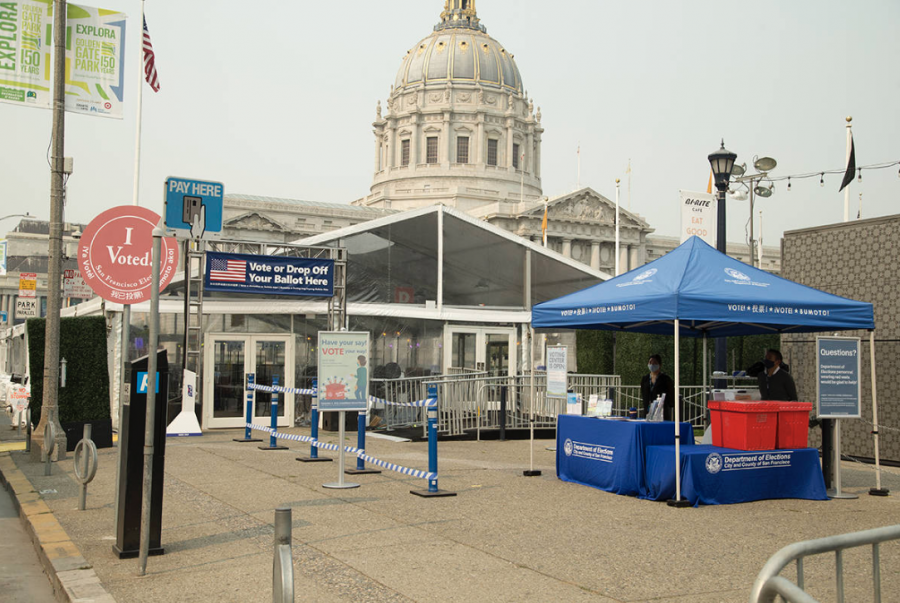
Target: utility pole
50	402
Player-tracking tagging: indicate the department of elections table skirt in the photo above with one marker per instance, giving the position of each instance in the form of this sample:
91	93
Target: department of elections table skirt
609	454
721	476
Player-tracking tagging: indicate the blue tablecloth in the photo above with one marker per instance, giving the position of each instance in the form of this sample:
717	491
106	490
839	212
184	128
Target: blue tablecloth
721	476
609	454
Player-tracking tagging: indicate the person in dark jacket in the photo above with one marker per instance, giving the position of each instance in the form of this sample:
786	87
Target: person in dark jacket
655	384
776	383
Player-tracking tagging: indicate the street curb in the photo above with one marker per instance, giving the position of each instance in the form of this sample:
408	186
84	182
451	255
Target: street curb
72	577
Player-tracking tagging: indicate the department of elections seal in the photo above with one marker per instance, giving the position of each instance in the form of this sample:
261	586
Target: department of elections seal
644	275
568	447
736	274
714	463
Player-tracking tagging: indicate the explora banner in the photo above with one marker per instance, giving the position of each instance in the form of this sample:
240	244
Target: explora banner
26	51
266	274
95	57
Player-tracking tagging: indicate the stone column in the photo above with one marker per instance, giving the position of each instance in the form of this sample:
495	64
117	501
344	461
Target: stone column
567	248
378	139
634	257
478	151
537	155
623	258
595	255
393	157
509	144
413	142
445	160
529	153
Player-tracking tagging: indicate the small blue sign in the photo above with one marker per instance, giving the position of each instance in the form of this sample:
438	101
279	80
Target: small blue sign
271	275
838	377
142	382
194	207
3	317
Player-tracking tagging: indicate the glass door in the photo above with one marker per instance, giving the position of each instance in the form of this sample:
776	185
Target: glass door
484	349
232	357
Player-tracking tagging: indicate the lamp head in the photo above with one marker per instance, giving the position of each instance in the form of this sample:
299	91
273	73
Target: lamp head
722	162
764	164
764	191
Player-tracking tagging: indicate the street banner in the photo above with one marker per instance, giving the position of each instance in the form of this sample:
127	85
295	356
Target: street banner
837	386
28	284
270	275
557	362
95	59
343	370
114	254
26	307
3	248
698	216
75	286
26	53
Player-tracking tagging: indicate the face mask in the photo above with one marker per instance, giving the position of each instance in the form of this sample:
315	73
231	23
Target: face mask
768	363
653	367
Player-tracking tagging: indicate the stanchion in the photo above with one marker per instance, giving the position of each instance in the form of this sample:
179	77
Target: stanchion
283	563
361	444
341	484
85	457
433	490
273	441
314	430
251	396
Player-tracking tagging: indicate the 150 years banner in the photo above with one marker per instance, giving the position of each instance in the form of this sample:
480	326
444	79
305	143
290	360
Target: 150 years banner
95	57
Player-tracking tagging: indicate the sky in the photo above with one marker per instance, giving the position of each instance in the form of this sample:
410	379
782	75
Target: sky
278	98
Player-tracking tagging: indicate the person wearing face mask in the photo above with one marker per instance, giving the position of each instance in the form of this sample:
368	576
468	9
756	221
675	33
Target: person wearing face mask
655	384
775	383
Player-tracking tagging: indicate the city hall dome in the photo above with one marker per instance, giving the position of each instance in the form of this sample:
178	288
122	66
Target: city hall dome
459	51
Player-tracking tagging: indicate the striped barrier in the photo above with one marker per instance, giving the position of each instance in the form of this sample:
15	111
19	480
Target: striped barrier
419	403
349	449
274	389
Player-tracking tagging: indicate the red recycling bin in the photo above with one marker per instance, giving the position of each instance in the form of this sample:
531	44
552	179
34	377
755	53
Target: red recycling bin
793	424
744	425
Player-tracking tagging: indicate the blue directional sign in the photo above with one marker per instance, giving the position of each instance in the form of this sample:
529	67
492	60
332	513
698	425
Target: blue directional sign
194	207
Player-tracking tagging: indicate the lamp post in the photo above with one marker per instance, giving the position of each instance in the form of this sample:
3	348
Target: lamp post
721	162
755	186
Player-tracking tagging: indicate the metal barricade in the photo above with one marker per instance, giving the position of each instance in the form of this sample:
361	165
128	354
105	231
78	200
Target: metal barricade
769	584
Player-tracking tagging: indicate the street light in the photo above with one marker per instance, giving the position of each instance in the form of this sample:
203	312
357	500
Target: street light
754	185
25	215
722	164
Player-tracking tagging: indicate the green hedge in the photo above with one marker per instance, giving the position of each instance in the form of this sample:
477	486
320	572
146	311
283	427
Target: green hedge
595	354
82	342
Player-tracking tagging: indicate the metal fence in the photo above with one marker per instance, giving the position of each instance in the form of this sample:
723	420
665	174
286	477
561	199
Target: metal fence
770	585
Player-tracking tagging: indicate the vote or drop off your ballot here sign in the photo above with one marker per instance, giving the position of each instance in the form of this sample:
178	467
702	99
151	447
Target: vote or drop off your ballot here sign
343	370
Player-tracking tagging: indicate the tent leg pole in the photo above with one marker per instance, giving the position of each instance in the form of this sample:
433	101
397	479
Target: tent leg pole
531	471
678	502
877	490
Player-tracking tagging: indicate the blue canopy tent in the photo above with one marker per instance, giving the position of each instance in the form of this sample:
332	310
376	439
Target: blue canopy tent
696	291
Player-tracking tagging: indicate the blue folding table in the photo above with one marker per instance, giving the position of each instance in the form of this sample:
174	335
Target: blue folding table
609	454
721	476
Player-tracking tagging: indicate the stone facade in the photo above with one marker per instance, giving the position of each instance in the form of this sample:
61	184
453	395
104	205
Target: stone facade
854	260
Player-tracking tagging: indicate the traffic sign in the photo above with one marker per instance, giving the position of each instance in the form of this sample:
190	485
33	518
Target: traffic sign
28	284
194	208
75	286
26	307
114	254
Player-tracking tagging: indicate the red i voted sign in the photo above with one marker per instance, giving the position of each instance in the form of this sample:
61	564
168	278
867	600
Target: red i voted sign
114	254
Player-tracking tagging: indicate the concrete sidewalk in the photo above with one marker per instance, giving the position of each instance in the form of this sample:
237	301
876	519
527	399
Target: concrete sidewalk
505	537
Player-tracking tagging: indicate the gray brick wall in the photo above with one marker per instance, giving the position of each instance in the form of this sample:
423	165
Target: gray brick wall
856	260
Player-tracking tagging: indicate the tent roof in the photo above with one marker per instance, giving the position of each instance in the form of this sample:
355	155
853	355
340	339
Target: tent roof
708	292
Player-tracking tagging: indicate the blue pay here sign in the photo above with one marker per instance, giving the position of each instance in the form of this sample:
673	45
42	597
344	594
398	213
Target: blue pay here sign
838	377
194	207
267	274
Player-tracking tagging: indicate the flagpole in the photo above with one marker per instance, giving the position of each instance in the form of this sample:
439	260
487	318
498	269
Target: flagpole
578	187
617	227
847	188
629	185
759	243
139	113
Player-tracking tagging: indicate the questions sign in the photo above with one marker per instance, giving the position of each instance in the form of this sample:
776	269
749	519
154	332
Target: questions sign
838	372
698	216
266	274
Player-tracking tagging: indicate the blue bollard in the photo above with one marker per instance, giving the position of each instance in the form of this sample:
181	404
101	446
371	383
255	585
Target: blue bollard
251	379
433	490
314	429
273	441
361	444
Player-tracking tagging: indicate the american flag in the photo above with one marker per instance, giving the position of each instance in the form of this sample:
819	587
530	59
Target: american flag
149	60
229	271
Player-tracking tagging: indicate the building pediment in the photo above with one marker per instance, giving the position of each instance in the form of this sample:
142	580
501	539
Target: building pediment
590	207
255	221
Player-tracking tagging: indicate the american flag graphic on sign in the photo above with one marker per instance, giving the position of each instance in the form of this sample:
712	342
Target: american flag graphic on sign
150	60
227	271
